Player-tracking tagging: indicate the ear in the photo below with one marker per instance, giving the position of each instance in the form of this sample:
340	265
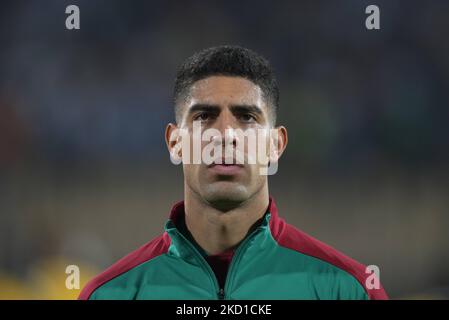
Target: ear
174	143
278	143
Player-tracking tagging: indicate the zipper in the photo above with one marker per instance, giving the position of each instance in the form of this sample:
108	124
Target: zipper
236	259
221	292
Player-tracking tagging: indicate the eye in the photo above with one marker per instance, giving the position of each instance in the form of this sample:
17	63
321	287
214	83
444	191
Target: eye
203	116
247	117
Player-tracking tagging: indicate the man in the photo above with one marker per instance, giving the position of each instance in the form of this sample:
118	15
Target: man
226	239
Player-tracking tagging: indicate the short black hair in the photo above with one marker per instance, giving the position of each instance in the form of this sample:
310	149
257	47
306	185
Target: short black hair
227	60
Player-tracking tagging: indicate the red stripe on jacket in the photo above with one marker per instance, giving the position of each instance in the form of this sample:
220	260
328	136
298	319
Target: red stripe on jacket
148	251
290	237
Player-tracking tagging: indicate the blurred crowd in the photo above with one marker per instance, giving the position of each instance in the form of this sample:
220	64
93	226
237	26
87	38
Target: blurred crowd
82	116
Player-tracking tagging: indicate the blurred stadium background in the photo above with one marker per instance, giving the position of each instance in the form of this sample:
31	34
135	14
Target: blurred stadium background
85	177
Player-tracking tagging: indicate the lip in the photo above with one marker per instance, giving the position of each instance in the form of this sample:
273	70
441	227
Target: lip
225	169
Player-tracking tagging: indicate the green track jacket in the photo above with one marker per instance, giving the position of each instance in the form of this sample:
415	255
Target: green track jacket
275	261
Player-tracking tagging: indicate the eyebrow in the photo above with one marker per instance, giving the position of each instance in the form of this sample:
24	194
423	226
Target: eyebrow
238	108
246	108
204	107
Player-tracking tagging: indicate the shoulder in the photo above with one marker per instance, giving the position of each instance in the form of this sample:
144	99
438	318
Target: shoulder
148	251
292	238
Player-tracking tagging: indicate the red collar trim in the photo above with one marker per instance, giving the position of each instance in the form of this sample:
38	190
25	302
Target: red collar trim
277	224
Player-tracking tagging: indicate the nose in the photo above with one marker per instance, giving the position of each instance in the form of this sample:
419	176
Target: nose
226	125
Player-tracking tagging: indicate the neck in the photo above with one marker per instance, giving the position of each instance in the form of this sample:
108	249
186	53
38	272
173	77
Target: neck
216	230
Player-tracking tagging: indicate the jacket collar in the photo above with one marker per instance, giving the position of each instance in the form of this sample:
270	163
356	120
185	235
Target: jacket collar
181	246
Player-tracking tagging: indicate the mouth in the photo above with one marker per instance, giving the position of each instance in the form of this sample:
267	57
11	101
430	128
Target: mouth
229	167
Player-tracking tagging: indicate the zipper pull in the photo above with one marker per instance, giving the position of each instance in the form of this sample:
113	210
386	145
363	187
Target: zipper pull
221	294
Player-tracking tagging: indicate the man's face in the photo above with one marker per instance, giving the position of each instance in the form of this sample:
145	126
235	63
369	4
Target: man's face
220	103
